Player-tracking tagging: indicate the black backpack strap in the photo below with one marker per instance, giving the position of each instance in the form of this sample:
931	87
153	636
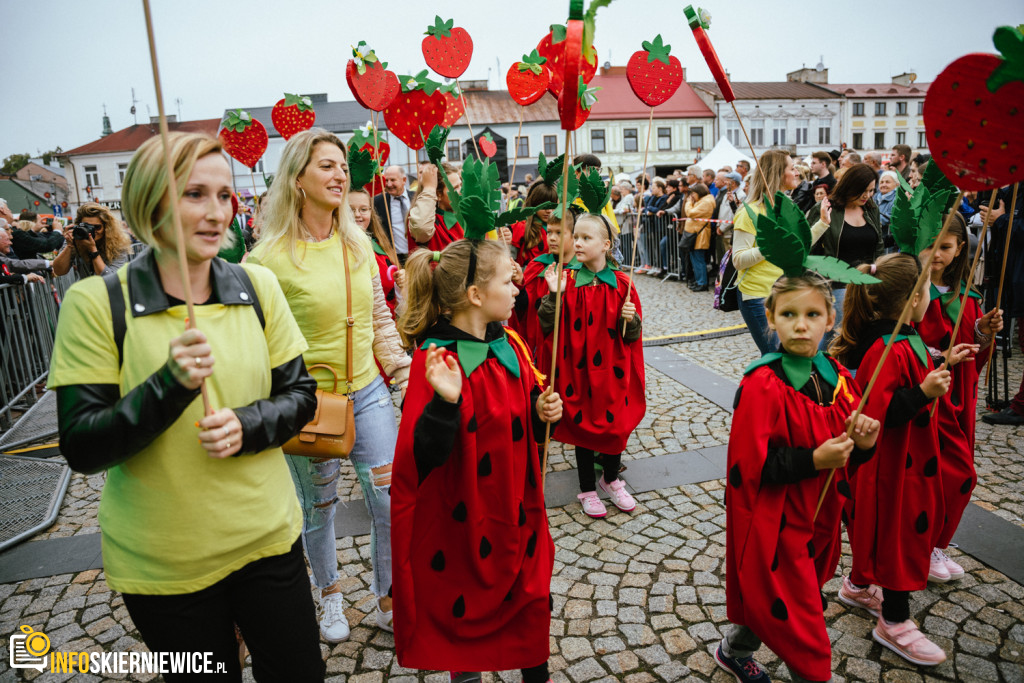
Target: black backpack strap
117	310
243	277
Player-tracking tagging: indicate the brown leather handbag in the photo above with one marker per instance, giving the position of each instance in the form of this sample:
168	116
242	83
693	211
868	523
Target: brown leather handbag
332	431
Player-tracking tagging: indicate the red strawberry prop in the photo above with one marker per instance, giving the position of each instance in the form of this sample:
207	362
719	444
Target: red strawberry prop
700	21
552	48
487	145
584	101
447	49
653	74
528	80
363	141
455	105
416	110
292	114
244	138
973	116
371	83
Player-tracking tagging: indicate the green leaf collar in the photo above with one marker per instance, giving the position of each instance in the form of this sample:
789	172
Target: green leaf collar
798	368
585	275
472	353
916	343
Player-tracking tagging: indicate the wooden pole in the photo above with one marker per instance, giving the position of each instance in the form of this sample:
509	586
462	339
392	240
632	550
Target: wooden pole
465	112
757	162
904	317
636	220
1002	273
387	198
515	160
172	190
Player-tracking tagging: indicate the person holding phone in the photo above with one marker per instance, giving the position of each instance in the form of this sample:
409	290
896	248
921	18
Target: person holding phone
94	245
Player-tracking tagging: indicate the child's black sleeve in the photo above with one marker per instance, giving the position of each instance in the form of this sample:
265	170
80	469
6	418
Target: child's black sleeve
861	456
522	302
434	436
906	402
546	313
788	465
633	330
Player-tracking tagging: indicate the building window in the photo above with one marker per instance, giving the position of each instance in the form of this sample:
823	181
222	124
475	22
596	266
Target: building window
779	133
801	131
920	108
454	150
858	140
92	176
901	109
121	170
697	137
879	108
523	146
629	143
824	131
858	109
597	141
551	145
757	133
258	168
922	139
879	140
664	139
901	138
732	132
421	155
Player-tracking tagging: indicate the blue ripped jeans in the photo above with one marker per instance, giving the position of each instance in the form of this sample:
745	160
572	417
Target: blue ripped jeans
316	483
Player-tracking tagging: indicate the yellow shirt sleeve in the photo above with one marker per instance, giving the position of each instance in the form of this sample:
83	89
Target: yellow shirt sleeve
84	350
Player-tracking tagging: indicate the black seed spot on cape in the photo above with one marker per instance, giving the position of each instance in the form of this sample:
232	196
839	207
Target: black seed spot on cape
627	400
485	547
597	359
921	525
471	426
612	333
910	461
517	429
581	364
736	398
522	514
954	398
569	391
608	416
779	610
577	325
459	608
965	487
844	489
589	393
619	372
782	522
437	563
735	478
923	419
459	513
531	477
590	319
531	545
775	560
578	418
944	342
483	468
931	468
508	598
810	549
844	517
853	513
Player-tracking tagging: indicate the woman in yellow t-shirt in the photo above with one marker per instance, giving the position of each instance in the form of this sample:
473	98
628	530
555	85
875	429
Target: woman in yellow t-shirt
307	229
200	523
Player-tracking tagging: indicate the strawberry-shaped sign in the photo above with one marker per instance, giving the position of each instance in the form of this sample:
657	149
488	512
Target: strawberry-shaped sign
416	110
582	104
552	49
653	74
973	116
244	138
528	80
292	114
455	105
371	83
699	21
447	48
487	145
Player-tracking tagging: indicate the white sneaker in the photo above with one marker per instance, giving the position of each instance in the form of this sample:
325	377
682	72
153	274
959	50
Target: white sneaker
937	570
385	620
954	569
331	615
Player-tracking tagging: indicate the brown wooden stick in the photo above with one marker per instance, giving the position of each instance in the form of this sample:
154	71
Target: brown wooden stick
387	197
515	160
757	162
636	220
904	317
558	298
1002	274
465	112
172	190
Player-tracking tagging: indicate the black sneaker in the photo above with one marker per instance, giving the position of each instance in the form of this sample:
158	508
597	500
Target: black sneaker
1006	416
464	676
743	669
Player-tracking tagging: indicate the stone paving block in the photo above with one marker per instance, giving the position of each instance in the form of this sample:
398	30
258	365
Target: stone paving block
587	670
621	662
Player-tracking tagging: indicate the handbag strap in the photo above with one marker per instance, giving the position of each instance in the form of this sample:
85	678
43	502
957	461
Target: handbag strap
348	318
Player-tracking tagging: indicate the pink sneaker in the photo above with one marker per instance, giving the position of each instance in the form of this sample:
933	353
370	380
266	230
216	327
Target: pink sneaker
906	640
869	598
592	505
954	569
937	570
618	493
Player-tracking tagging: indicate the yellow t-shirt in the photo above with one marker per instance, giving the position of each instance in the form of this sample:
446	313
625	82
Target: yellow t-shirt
607	211
175	520
754	282
316	296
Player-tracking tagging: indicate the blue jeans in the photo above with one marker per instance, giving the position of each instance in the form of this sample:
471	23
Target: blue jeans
316	483
840	296
754	316
699	263
663	252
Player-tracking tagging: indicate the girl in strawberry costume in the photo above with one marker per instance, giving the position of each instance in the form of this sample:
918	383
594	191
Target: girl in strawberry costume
528	238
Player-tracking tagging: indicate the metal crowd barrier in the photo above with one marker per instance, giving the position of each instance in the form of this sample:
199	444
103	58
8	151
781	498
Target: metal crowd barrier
658	245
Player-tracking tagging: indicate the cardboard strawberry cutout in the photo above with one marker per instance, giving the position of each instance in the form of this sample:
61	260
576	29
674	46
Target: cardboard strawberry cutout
973	114
416	110
653	74
700	21
365	138
576	110
455	105
487	145
244	138
447	48
371	83
562	45
292	114
362	167
528	80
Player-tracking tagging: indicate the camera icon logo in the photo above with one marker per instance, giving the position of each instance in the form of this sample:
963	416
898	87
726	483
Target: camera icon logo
29	649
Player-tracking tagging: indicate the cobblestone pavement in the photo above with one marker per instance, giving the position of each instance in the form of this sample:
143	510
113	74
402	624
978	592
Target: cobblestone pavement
637	597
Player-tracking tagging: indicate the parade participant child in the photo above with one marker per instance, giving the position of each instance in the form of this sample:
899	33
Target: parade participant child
895	513
600	349
432	220
527	237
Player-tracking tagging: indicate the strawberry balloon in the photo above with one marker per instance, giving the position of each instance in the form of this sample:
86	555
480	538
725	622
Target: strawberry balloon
653	74
416	110
244	138
447	48
973	115
292	114
371	83
528	80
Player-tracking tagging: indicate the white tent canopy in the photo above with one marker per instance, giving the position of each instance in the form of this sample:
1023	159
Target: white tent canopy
723	154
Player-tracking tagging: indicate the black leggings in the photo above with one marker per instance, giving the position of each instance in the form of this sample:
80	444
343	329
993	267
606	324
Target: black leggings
895	606
536	674
270	601
585	468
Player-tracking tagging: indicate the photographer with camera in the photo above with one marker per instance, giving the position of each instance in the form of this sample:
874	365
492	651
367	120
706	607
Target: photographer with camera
94	245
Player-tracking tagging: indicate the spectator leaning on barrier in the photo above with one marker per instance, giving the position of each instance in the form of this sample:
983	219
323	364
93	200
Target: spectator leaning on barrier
27	242
15	271
94	245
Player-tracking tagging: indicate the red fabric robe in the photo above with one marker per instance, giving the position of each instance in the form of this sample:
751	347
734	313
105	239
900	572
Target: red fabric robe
443	235
527	325
471	549
777	559
897	510
524	254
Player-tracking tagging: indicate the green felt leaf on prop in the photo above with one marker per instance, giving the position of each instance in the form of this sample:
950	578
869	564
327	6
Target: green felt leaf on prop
520	214
656	50
1010	43
593	192
363	55
300	101
587	94
420	81
779	243
436	143
237	120
906	216
697	18
789	214
558	33
441	28
929	224
476	218
532	62
362	167
589	26
936	181
839	271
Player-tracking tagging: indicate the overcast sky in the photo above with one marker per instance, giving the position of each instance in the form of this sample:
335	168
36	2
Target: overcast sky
64	59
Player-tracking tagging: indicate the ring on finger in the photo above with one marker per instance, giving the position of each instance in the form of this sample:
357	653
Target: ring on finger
199	362
227	444
226	432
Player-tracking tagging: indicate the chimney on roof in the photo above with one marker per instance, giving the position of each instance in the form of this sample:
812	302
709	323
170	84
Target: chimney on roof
904	78
818	74
155	120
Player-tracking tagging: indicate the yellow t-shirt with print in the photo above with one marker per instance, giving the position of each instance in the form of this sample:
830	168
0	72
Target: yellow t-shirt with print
754	282
175	520
316	295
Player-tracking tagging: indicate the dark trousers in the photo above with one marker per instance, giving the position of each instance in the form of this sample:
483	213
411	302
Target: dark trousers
895	605
269	600
585	467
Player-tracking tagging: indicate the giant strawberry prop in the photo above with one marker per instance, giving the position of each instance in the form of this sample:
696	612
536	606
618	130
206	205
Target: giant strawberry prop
653	74
447	49
416	110
700	21
371	83
455	106
528	80
365	139
292	114
581	104
244	138
552	49
973	116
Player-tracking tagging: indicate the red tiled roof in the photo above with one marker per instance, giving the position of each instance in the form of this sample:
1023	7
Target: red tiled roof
615	100
496	106
878	90
770	90
131	138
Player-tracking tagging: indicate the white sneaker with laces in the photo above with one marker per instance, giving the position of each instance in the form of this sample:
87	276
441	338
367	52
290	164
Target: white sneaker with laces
385	620
331	615
954	569
937	571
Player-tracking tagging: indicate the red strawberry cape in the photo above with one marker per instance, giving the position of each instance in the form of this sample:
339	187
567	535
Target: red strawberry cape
443	235
776	559
292	114
244	138
653	74
526	323
526	254
470	545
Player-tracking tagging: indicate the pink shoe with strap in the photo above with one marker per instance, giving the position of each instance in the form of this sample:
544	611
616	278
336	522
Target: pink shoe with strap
906	640
869	598
592	505
619	495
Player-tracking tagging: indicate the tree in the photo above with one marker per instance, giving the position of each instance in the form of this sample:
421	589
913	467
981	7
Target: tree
14	163
48	156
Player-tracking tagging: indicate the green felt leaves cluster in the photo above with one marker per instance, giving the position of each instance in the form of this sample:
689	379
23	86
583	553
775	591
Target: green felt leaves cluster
552	175
593	192
1010	43
589	26
532	62
936	181
587	95
238	120
362	167
656	50
441	28
419	82
363	54
300	101
697	18
917	220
